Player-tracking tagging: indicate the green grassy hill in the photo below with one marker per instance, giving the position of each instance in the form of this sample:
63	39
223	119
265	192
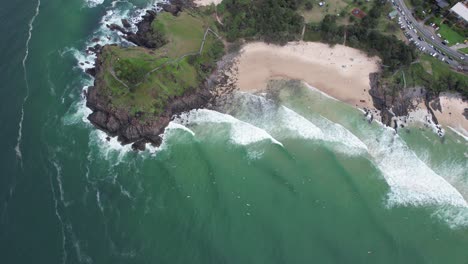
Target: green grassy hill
142	81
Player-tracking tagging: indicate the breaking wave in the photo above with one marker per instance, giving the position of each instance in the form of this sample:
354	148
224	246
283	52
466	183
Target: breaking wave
241	133
282	123
93	3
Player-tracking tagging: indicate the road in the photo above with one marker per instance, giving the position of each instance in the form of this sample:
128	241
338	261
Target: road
431	42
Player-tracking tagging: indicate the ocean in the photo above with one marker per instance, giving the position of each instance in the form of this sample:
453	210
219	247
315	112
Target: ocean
290	177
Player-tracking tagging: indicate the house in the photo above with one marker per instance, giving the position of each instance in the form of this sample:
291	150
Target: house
442	3
393	14
460	10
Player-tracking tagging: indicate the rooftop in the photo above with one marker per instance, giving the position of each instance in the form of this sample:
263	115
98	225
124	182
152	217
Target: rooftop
442	3
461	10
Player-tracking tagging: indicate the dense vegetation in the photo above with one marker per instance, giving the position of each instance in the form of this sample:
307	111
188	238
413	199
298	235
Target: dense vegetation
364	35
433	75
142	81
270	20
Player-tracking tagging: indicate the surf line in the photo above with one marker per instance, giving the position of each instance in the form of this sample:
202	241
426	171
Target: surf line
25	99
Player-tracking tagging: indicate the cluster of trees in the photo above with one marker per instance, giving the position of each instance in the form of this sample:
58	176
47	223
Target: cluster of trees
452	83
394	52
273	21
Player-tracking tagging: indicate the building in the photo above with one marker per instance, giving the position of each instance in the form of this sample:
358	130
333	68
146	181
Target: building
393	14
461	11
442	3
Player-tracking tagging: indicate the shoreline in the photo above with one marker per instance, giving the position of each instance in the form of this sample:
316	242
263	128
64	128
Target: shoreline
340	72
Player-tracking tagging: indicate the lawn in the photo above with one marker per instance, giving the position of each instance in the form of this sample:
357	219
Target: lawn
464	50
140	80
331	7
431	73
449	34
184	32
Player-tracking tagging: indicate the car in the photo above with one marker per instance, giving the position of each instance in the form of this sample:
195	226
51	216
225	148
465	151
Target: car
450	58
432	37
420	39
462	58
447	62
415	31
443	59
439	35
444	43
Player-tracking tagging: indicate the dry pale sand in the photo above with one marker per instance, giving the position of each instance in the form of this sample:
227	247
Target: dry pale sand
452	112
206	2
341	72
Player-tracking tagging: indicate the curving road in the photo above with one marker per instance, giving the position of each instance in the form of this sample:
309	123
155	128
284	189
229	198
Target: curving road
426	35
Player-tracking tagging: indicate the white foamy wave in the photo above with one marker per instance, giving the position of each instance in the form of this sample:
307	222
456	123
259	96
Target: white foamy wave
169	131
175	126
25	75
282	122
298	124
455	217
320	92
411	181
77	113
57	213
241	133
109	147
93	3
322	129
461	132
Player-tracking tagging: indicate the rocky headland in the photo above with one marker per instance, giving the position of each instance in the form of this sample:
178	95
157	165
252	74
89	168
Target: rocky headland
138	90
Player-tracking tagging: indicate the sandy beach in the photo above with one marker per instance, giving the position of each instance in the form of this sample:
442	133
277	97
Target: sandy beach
341	72
452	112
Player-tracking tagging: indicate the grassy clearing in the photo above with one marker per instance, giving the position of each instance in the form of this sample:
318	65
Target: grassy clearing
142	81
433	74
331	7
184	32
464	50
449	34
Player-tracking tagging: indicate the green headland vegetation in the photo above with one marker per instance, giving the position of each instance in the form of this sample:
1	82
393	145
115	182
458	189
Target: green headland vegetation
142	81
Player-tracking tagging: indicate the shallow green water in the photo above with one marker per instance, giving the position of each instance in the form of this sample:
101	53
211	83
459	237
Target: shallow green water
298	179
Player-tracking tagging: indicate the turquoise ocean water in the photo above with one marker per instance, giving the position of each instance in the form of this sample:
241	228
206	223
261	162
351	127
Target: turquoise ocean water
298	178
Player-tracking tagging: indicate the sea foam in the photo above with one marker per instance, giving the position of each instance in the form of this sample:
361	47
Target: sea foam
410	180
241	133
93	3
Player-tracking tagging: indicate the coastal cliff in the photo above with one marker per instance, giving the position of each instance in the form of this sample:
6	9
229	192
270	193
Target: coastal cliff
137	90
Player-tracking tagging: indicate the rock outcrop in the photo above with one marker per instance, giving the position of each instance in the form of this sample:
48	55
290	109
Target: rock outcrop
131	128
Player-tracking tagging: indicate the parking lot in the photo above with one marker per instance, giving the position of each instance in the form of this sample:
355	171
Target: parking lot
426	41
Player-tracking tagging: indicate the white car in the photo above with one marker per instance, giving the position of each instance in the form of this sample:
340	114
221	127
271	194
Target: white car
462	58
432	37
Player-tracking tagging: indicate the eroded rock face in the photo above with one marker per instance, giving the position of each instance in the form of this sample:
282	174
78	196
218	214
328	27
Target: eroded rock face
400	101
131	129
